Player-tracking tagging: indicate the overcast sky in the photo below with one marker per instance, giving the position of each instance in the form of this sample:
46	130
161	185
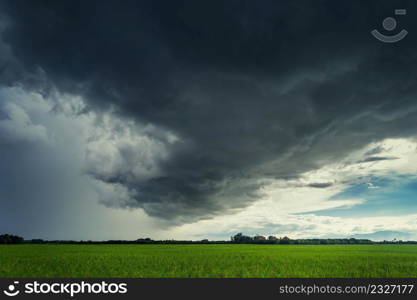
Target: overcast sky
192	119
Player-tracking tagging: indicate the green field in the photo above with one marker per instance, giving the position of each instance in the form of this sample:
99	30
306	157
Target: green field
218	261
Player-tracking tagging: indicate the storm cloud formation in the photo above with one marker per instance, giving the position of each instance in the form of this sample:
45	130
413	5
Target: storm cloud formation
229	94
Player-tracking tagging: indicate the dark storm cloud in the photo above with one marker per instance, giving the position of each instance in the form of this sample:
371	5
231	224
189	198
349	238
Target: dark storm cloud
254	90
377	158
321	185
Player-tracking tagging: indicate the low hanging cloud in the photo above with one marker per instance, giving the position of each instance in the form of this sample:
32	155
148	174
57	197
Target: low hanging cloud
17	127
51	155
199	106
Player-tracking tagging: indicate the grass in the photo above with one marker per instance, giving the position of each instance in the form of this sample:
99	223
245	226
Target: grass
203	261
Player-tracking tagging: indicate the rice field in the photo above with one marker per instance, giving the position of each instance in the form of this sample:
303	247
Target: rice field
208	261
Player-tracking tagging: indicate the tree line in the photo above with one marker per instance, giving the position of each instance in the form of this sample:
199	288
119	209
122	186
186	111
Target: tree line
260	239
10	239
239	238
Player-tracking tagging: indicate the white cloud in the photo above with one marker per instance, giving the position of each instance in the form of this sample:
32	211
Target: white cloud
116	148
16	121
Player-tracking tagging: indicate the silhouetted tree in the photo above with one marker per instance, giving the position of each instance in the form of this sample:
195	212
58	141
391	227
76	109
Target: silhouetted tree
272	239
10	239
284	240
259	238
37	241
241	239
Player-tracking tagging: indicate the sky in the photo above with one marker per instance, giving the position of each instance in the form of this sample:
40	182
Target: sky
191	120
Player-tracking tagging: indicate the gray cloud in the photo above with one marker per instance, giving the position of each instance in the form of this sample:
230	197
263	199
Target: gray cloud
377	158
251	91
44	191
321	185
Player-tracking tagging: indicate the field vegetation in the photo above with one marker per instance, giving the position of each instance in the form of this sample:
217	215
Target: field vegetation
208	261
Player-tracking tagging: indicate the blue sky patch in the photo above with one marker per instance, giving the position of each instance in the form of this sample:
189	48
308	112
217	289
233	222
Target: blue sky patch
383	197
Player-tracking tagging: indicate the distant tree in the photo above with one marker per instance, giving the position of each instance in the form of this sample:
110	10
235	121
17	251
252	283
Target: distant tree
284	240
37	241
272	239
259	239
10	239
236	238
144	241
241	239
